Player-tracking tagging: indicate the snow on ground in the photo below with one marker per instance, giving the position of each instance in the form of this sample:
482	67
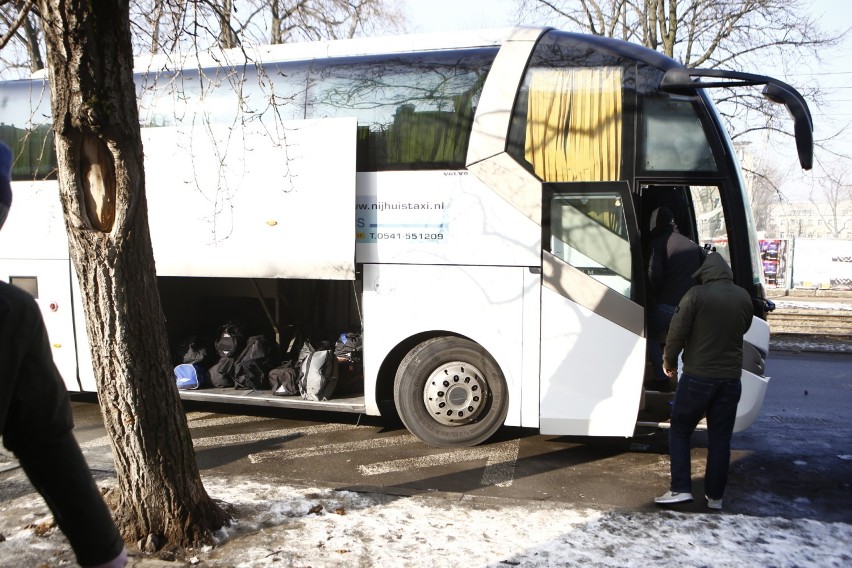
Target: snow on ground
304	526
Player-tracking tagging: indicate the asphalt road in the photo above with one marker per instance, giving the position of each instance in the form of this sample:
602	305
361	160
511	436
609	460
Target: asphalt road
795	461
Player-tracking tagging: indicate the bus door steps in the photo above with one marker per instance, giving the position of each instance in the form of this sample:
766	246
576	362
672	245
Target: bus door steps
353	403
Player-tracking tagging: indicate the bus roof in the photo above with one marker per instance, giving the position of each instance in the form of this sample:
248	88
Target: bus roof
305	51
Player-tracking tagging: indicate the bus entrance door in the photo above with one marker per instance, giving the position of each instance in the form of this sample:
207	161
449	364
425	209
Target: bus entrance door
592	332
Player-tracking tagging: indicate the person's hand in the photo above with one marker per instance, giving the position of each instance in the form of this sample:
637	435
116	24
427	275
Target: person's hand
670	373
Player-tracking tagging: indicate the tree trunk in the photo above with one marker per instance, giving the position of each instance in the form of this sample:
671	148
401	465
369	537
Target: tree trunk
102	188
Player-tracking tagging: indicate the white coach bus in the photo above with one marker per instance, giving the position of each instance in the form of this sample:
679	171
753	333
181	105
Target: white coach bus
476	205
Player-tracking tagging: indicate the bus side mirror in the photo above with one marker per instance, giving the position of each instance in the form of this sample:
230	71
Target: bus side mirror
679	79
803	128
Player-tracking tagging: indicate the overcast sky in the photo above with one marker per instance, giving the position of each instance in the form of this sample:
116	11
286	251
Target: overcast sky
450	15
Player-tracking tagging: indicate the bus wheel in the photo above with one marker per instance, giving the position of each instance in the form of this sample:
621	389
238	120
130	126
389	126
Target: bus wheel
450	392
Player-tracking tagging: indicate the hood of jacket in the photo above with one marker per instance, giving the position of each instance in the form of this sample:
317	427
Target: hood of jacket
714	267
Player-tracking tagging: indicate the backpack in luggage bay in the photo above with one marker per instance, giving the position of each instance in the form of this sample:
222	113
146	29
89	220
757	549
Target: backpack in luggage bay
284	380
349	346
231	341
251	368
190	376
193	349
318	372
222	373
348	351
350	376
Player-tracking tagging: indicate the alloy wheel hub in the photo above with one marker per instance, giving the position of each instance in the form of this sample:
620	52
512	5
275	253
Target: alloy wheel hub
454	393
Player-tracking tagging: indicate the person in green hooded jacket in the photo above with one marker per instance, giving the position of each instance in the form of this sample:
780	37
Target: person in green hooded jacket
708	327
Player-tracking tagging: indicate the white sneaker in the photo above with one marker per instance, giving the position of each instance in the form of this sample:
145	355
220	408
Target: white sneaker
673	497
713	503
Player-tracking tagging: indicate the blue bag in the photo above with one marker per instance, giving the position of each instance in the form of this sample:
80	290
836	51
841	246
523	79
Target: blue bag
191	376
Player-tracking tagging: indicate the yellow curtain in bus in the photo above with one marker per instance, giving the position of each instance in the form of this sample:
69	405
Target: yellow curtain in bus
574	124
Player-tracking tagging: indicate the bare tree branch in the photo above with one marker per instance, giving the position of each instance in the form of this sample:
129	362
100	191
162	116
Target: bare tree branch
23	12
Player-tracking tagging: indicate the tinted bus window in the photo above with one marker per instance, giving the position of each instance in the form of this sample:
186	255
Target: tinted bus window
570	118
25	126
672	136
414	111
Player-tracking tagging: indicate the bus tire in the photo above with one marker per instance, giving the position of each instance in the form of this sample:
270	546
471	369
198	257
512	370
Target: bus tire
450	392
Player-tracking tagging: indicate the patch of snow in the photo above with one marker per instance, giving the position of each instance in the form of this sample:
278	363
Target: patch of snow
301	526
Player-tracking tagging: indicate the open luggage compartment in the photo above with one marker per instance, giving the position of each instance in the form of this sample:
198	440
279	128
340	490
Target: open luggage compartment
285	311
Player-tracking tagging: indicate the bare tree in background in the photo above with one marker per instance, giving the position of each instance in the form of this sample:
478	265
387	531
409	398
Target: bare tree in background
763	182
159	499
183	26
744	34
24	34
832	201
164	26
293	20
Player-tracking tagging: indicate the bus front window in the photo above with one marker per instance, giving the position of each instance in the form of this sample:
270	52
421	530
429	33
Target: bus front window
673	138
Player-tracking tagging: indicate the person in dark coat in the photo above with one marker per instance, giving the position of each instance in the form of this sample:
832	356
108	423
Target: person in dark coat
708	328
36	422
673	260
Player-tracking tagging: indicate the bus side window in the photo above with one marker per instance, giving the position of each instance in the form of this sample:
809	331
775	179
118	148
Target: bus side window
573	116
26	127
589	232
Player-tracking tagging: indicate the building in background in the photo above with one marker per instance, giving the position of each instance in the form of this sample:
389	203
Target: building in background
811	220
808	244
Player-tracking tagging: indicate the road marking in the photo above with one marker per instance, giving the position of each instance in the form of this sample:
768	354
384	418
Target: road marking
197	415
499	466
285	434
288	433
500	459
95	443
331	449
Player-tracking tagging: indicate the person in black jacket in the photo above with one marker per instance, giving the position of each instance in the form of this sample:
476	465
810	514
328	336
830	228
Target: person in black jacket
673	260
36	422
708	328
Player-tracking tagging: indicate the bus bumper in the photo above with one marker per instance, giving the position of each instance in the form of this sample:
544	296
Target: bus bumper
751	400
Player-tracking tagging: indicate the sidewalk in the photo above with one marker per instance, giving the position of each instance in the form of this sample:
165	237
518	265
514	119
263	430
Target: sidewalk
299	525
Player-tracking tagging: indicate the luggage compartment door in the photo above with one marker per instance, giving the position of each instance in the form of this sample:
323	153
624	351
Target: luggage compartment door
253	200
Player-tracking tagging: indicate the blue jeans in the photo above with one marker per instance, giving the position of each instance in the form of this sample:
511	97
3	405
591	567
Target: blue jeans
658	326
695	397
